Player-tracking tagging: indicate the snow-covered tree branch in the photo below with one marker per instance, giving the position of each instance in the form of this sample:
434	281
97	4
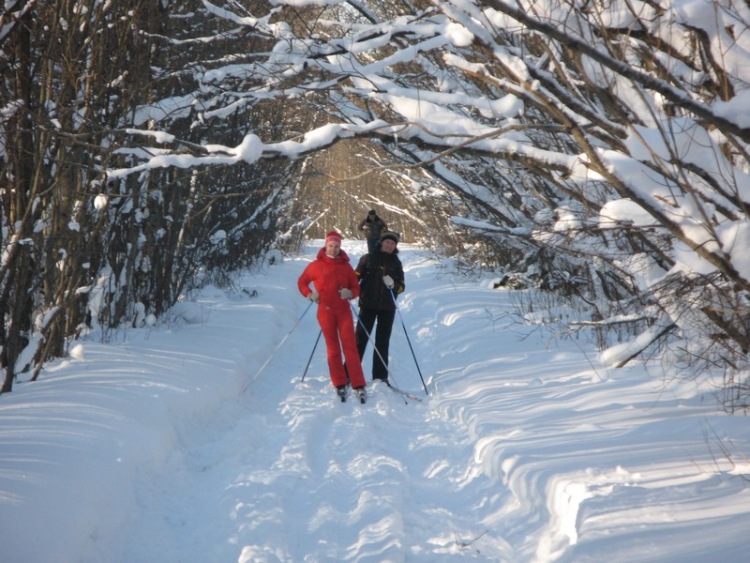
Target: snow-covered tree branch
600	149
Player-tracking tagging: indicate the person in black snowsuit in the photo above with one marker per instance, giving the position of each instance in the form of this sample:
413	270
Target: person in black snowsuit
381	279
374	227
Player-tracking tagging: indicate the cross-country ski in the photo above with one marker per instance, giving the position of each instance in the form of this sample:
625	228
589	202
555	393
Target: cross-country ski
410	396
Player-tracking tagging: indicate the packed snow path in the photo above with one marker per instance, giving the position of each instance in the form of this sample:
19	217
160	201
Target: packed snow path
167	444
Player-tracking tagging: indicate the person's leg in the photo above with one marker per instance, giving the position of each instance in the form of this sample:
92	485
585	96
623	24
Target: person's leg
382	342
364	327
349	344
329	326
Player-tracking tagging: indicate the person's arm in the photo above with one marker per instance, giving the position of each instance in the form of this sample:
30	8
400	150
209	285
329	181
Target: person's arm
399	283
303	284
353	283
361	269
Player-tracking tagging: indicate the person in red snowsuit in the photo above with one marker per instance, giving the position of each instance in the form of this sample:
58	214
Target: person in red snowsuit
335	284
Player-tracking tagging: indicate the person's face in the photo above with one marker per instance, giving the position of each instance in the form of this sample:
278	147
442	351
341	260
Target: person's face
388	246
371	216
333	249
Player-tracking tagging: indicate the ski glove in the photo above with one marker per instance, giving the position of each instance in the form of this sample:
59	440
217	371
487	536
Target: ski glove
346	293
314	297
388	281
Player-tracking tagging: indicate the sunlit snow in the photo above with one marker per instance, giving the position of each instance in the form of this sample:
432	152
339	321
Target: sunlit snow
197	440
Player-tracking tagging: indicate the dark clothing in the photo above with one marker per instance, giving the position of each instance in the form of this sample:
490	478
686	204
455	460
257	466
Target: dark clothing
377	303
374	227
373	293
382	336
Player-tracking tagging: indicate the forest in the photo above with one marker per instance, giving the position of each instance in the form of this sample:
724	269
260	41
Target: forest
593	151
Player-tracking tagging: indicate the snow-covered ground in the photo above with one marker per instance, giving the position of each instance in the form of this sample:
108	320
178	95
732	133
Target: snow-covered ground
196	440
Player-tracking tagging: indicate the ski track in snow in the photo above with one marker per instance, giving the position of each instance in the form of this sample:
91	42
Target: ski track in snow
524	451
309	478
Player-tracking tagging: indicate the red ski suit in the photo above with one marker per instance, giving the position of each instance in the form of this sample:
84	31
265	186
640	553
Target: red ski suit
329	275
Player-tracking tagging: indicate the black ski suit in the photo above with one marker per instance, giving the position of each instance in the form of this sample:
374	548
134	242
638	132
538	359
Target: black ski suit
377	303
374	226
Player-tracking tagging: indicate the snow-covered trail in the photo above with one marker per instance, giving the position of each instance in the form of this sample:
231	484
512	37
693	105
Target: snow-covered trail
521	432
293	474
169	445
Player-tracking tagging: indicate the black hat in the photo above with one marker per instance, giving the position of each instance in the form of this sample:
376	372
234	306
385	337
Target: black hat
372	212
390	235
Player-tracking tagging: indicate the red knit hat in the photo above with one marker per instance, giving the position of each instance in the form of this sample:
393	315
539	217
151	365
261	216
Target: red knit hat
333	236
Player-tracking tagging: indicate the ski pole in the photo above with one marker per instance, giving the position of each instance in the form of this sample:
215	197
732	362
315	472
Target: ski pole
311	354
369	337
408	340
288	334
